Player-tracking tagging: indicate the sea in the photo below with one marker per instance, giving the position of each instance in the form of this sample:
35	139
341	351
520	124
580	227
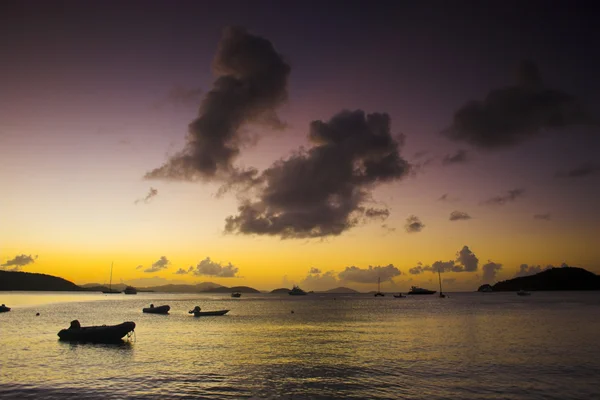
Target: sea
319	346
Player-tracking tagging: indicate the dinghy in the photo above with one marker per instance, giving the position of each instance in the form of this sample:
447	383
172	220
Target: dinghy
157	310
197	313
96	334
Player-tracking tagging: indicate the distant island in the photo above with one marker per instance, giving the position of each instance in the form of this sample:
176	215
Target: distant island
341	290
281	291
563	278
16	280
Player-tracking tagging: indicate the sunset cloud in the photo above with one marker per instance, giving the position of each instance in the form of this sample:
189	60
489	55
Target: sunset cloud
151	194
413	224
159	265
19	261
510	115
509	197
490	270
210	268
369	275
459	216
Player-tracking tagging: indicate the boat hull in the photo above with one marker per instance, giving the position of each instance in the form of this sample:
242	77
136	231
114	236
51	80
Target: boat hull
209	313
4	309
427	292
157	310
97	334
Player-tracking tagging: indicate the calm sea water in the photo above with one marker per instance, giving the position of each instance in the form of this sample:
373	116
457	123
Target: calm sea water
468	346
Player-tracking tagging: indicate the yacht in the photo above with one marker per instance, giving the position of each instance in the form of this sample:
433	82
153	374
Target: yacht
130	290
296	291
418	290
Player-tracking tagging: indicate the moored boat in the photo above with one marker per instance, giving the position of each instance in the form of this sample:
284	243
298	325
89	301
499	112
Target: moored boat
198	313
296	291
3	308
96	334
399	296
379	293
164	309
523	293
236	294
418	290
130	290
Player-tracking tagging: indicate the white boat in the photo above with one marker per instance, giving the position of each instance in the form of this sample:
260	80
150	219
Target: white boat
296	291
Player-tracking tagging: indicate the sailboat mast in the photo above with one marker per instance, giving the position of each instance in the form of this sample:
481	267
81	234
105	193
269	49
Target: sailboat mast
110	282
440	277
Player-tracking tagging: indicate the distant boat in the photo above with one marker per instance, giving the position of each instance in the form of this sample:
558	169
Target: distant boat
442	295
197	313
130	290
523	293
156	310
236	294
3	308
418	290
399	296
296	291
378	293
110	291
96	334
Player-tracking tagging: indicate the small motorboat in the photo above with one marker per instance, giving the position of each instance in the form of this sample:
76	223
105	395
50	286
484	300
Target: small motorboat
3	308
198	313
164	309
96	334
130	290
236	294
399	296
523	293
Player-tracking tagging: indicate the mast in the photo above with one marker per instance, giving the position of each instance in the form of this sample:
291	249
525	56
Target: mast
110	282
440	278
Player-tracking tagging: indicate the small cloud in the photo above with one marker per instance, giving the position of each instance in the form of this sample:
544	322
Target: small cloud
581	171
489	271
19	262
210	268
467	260
459	157
316	280
388	228
500	200
151	194
446	198
413	224
183	271
369	275
418	269
459	216
315	270
543	217
162	263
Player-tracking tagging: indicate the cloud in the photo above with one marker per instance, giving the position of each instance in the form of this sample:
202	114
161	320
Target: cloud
446	198
315	280
182	271
510	115
489	271
251	84
526	270
159	265
442	266
413	224
325	190
418	269
19	262
500	200
211	268
459	157
544	217
459	216
581	171
467	260
388	228
151	194
369	275
315	270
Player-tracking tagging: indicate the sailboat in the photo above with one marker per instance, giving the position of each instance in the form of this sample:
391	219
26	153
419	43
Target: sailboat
110	290
442	295
378	293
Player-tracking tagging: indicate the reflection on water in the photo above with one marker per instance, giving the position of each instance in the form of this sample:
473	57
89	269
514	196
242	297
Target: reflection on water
477	346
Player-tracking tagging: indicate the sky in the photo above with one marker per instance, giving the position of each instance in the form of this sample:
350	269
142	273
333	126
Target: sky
328	144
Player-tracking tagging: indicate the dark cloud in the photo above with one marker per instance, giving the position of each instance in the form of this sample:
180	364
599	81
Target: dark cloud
510	115
19	262
413	224
441	266
182	271
467	260
499	200
151	194
526	270
459	216
416	270
211	268
446	198
323	191
315	270
489	271
315	280
251	83
459	157
581	171
162	263
369	275
544	217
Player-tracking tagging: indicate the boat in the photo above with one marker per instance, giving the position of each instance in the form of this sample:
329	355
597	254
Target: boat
523	293
418	290
164	309
296	291
197	313
130	290
236	294
110	290
3	308
378	293
442	295
96	334
399	296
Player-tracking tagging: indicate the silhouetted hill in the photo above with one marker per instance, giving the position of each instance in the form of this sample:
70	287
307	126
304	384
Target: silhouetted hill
486	287
97	287
341	289
14	280
223	289
564	278
281	291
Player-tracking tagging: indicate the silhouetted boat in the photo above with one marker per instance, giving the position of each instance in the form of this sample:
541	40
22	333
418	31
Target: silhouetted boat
523	293
197	313
378	293
399	296
96	334
130	290
442	295
418	290
3	308
296	291
236	294
156	310
110	290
